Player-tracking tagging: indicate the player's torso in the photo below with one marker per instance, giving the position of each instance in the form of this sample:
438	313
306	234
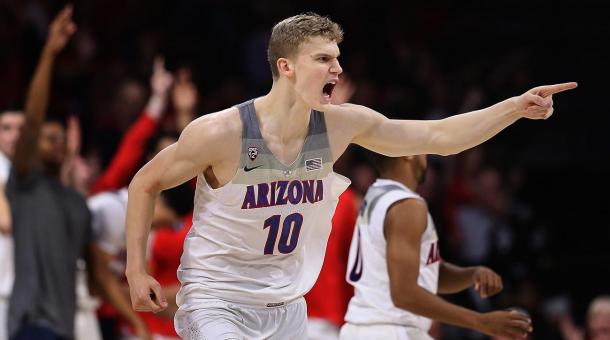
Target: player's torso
263	234
367	267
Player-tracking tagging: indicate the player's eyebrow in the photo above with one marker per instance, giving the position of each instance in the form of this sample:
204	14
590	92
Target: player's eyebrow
325	54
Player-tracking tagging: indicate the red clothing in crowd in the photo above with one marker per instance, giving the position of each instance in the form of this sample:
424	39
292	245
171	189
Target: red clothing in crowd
459	193
329	297
126	160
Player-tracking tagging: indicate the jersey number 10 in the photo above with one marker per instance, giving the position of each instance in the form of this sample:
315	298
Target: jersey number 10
291	228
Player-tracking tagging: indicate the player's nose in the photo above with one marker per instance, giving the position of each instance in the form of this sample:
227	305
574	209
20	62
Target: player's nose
336	68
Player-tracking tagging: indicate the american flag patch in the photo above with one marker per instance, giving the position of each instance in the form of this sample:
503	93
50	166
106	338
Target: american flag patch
313	164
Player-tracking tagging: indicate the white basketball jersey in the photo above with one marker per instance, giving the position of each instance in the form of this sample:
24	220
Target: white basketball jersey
261	238
367	267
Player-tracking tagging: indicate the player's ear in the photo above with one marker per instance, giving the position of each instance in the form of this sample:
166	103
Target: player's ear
285	67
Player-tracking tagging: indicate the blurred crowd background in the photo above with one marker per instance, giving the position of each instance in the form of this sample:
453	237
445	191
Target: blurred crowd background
531	203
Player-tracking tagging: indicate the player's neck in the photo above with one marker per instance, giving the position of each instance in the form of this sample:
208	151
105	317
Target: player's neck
283	113
405	178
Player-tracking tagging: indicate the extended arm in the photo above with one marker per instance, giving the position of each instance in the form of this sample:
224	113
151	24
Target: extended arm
404	226
451	135
60	31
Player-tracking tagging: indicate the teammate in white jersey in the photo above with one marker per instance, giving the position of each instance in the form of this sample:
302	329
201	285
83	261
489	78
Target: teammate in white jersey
263	210
396	268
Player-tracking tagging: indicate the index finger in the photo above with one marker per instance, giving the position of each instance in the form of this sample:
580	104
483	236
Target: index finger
548	90
65	13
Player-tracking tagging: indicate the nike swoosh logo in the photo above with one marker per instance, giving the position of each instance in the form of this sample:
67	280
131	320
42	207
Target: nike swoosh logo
246	169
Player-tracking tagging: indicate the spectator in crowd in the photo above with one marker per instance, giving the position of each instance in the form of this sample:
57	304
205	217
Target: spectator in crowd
598	318
598	322
129	154
51	222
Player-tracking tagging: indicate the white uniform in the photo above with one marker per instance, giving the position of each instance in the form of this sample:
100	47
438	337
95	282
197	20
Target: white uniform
108	210
257	244
371	313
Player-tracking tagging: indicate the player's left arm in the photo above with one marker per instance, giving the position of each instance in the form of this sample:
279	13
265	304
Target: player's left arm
394	137
454	279
404	226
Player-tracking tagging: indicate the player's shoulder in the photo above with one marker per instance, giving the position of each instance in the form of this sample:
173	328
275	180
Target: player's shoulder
410	207
407	217
349	112
221	122
213	128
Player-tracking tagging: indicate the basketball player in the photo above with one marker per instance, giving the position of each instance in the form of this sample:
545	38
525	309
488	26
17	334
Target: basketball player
396	268
266	190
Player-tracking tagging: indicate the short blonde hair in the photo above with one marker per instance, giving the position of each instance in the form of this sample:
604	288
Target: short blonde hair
600	305
288	34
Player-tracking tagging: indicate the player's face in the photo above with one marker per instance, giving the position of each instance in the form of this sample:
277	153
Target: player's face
10	129
317	71
52	144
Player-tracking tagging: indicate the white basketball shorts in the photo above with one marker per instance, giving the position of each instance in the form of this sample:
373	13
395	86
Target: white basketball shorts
212	319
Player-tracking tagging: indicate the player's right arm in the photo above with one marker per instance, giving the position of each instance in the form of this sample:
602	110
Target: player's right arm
198	148
404	226
397	137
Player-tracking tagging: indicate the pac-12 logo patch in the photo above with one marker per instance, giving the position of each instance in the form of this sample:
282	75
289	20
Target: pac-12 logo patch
252	152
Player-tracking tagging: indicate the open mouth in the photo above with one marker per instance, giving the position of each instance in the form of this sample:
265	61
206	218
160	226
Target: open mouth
327	91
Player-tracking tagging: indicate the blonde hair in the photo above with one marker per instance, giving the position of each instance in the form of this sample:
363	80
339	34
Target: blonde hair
288	34
600	305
